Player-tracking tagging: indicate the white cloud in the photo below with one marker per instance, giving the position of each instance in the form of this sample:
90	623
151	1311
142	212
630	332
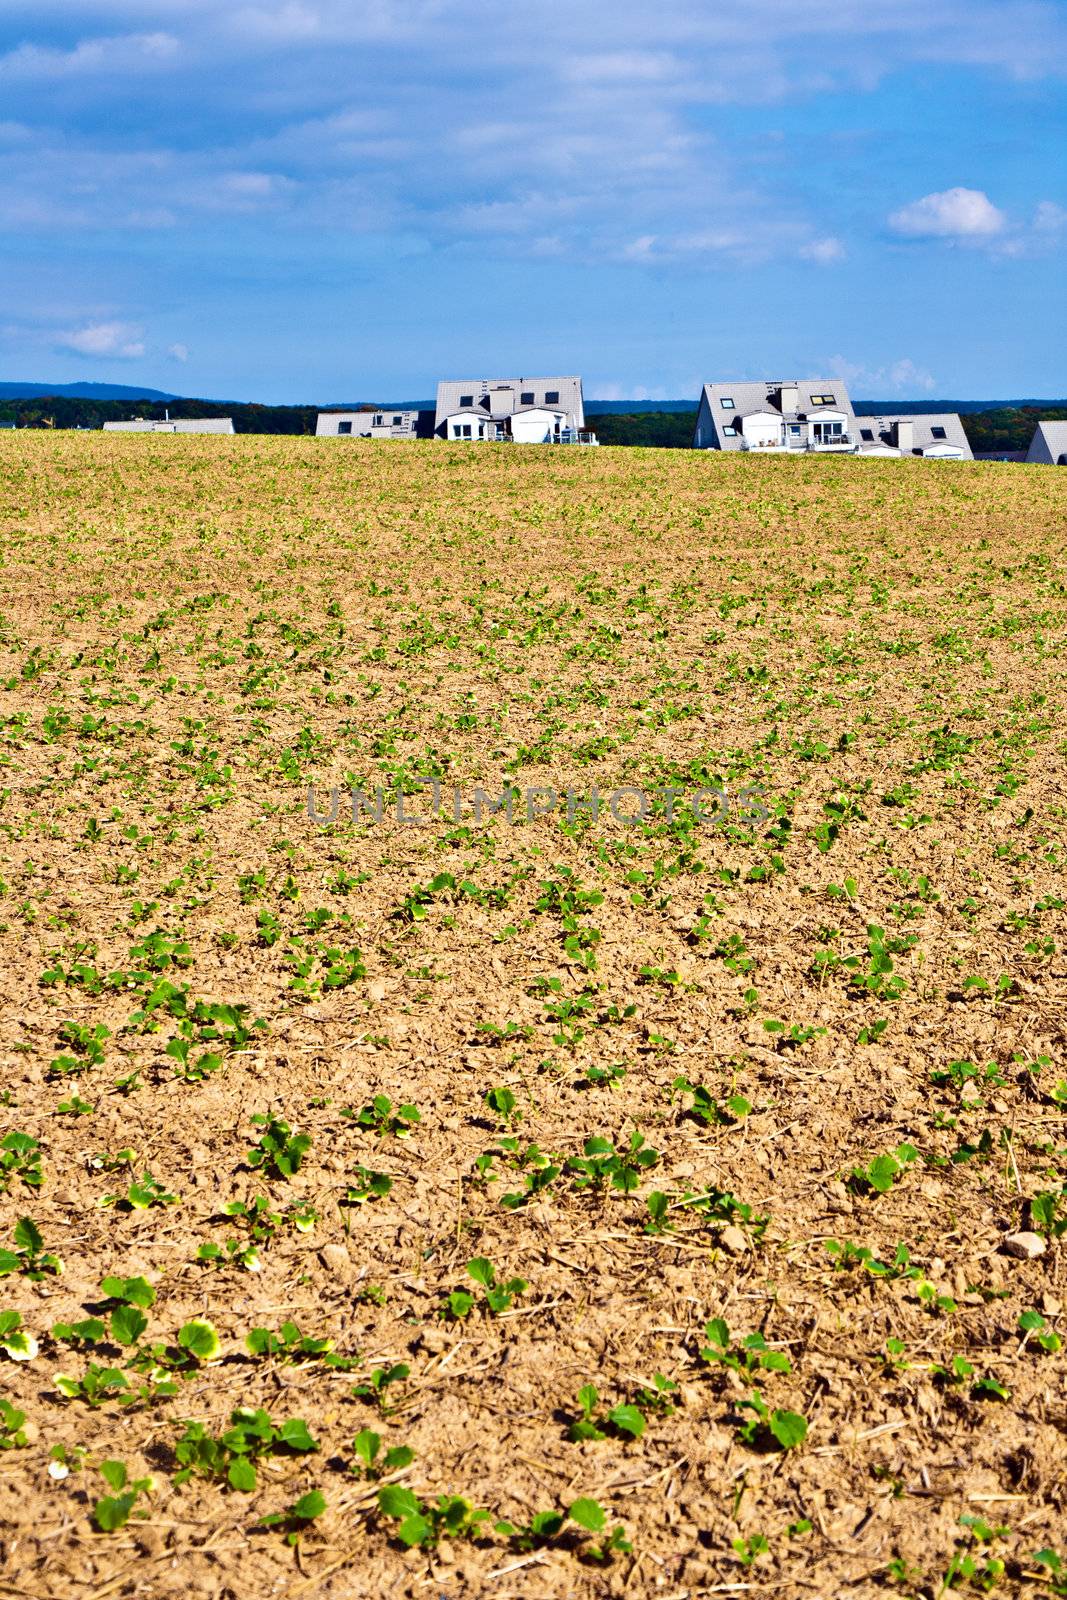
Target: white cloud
117	53
112	341
901	377
178	352
1050	218
950	214
824	252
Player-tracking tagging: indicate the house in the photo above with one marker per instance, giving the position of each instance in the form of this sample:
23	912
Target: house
519	410
815	416
172	425
384	424
1048	447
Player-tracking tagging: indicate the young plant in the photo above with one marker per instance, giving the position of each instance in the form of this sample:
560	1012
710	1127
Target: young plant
289	1346
279	1152
498	1296
29	1256
375	1387
381	1117
20	1157
601	1164
12	1433
15	1342
750	1356
142	1196
622	1421
232	1457
423	1525
297	1518
113	1511
777	1430
879	1175
370	1463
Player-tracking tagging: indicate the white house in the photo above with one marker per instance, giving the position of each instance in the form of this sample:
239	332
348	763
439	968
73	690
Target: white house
1048	447
172	425
383	424
816	416
522	410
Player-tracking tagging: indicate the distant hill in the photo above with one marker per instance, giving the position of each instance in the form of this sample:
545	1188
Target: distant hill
80	391
886	408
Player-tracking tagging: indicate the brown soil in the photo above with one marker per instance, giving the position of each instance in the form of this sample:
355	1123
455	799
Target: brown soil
195	630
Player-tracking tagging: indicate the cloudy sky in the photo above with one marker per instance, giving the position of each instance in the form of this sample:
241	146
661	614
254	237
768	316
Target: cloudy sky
328	200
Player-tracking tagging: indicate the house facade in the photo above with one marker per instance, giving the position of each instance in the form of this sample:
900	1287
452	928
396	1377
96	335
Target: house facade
172	425
519	410
815	416
1048	447
384	424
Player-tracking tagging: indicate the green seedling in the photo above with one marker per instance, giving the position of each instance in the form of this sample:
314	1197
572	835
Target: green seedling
423	1525
189	1070
289	1346
87	1045
968	1564
142	1196
604	1077
20	1157
591	1517
279	1152
1048	1213
601	1164
846	1256
113	1511
748	1357
1054	1575
12	1434
779	1430
502	1103
748	1550
74	1107
381	1117
232	1457
375	1387
297	1518
703	1107
498	1296
622	1421
1032	1325
29	1256
370	1463
96	1386
880	1175
15	1342
719	1210
366	1185
196	1346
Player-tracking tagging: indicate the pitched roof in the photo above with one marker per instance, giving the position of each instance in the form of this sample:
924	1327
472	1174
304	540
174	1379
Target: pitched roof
923	424
747	398
1051	435
500	397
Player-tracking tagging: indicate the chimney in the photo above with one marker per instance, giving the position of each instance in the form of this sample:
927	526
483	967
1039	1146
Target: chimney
788	398
905	435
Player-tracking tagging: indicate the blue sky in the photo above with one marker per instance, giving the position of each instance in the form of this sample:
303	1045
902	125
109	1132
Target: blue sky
328	200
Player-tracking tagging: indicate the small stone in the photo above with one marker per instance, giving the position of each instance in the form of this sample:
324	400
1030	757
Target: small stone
734	1240
1024	1246
1050	1305
336	1259
970	1094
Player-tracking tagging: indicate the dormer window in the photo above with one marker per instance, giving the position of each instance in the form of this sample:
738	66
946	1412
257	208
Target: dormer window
344	427
729	432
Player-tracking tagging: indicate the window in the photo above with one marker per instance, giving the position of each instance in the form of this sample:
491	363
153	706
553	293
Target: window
465	431
729	432
551	397
344	427
726	401
379	421
526	398
822	400
466	399
398	422
937	433
794	427
867	434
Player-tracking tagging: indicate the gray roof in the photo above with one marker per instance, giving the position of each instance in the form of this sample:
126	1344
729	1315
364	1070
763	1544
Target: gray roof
745	398
923	424
1049	442
500	397
174	425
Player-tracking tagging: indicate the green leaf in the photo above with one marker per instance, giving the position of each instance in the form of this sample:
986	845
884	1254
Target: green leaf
414	1530
309	1506
114	1474
481	1271
395	1501
628	1420
242	1475
128	1324
295	1436
789	1428
588	1514
366	1444
111	1513
200	1340
28	1236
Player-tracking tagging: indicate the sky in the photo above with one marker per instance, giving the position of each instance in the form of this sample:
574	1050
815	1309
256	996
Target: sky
334	200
